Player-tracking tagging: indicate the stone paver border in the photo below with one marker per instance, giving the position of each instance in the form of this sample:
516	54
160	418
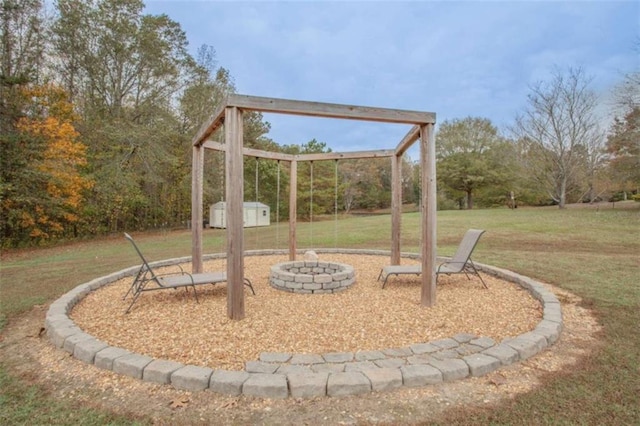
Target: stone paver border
282	375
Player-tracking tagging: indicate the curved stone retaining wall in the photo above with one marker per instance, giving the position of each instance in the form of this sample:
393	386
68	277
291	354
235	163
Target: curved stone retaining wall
280	375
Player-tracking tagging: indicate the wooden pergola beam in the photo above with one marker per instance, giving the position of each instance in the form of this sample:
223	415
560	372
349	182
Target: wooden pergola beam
408	140
322	109
211	125
250	152
317	109
383	153
325	156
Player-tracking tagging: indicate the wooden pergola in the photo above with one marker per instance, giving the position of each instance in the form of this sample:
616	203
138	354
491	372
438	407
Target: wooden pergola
230	114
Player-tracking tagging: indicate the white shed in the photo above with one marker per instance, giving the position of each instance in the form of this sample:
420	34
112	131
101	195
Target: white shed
255	214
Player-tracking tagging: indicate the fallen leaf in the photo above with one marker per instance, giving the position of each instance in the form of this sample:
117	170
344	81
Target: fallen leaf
230	404
498	380
178	403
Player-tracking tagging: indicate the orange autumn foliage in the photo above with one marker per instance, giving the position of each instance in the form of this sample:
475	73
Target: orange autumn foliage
50	118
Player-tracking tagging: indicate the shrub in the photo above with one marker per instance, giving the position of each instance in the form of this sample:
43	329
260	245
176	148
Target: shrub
618	196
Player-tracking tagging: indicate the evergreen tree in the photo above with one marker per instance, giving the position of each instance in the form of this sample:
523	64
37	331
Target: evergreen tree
465	163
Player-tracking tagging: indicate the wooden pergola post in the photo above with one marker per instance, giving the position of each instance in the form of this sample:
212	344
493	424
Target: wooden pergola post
196	208
429	200
293	208
234	211
396	207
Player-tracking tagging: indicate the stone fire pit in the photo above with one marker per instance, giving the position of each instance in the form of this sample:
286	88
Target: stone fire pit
311	276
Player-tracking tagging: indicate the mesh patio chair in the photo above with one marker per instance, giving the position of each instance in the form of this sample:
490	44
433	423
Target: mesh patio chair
460	263
148	280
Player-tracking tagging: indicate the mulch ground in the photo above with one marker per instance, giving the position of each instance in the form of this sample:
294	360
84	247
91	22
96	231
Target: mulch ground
171	325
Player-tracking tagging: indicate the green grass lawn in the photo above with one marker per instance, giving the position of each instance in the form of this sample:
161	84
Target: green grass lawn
593	253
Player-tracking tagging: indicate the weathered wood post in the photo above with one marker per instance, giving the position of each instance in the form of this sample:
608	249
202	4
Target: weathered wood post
429	200
396	207
196	208
234	211
293	208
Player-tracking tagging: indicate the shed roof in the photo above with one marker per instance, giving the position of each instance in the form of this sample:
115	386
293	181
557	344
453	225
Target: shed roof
246	204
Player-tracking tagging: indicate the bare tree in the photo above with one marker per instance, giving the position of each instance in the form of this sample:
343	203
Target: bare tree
559	125
627	93
594	157
623	141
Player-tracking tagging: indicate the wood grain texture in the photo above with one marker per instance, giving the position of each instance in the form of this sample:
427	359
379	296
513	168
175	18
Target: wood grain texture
196	208
429	200
396	208
211	125
326	156
293	209
321	109
345	155
235	213
408	140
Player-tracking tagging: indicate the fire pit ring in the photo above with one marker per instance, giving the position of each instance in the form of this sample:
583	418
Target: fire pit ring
311	277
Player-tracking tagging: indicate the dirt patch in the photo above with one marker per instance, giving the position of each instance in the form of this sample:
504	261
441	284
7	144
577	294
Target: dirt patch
34	359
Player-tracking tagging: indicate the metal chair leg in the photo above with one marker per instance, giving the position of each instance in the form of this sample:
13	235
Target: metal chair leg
247	282
478	274
385	281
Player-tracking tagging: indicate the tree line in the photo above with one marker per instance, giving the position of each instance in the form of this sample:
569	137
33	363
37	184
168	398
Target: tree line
99	101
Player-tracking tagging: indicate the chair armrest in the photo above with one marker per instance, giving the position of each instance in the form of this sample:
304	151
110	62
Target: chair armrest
448	264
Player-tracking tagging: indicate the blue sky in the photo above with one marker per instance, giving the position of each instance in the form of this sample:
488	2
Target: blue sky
456	59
